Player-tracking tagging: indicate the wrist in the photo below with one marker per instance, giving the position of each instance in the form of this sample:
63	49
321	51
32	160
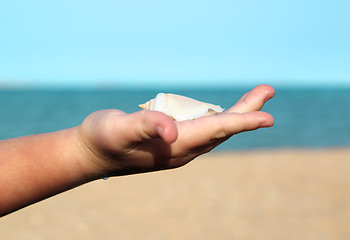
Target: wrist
89	161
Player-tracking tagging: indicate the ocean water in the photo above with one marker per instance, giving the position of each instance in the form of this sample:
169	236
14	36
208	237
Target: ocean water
303	117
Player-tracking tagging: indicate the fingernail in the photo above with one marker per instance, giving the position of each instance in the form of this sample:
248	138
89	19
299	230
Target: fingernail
160	131
268	97
266	124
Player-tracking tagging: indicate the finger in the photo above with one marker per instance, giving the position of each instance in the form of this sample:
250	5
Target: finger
253	100
146	125
200	132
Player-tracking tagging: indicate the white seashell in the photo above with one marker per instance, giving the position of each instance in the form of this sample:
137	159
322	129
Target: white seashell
179	107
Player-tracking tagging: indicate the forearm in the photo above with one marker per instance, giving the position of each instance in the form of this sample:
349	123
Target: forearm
39	166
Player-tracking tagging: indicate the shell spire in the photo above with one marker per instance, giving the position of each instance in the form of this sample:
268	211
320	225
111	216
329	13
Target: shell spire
143	106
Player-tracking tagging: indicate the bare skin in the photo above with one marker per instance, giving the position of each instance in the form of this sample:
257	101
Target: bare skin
113	143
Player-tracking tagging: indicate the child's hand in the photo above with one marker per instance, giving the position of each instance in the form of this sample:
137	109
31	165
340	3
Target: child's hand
117	143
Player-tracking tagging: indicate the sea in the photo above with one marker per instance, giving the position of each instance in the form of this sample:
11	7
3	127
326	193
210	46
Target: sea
304	117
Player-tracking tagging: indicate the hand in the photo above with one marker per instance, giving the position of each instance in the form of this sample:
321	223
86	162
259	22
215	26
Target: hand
117	143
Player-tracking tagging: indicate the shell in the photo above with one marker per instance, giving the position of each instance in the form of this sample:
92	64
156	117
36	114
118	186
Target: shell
179	107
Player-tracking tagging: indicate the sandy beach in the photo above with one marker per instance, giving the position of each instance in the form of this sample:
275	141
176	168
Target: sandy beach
265	194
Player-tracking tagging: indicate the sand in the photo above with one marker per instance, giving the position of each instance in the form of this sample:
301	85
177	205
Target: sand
275	194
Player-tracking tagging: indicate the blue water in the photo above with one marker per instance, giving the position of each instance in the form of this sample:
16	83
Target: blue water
303	117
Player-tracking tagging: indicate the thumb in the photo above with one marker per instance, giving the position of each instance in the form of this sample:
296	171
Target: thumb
153	124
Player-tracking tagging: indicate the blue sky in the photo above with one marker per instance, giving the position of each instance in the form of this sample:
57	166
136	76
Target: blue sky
174	43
